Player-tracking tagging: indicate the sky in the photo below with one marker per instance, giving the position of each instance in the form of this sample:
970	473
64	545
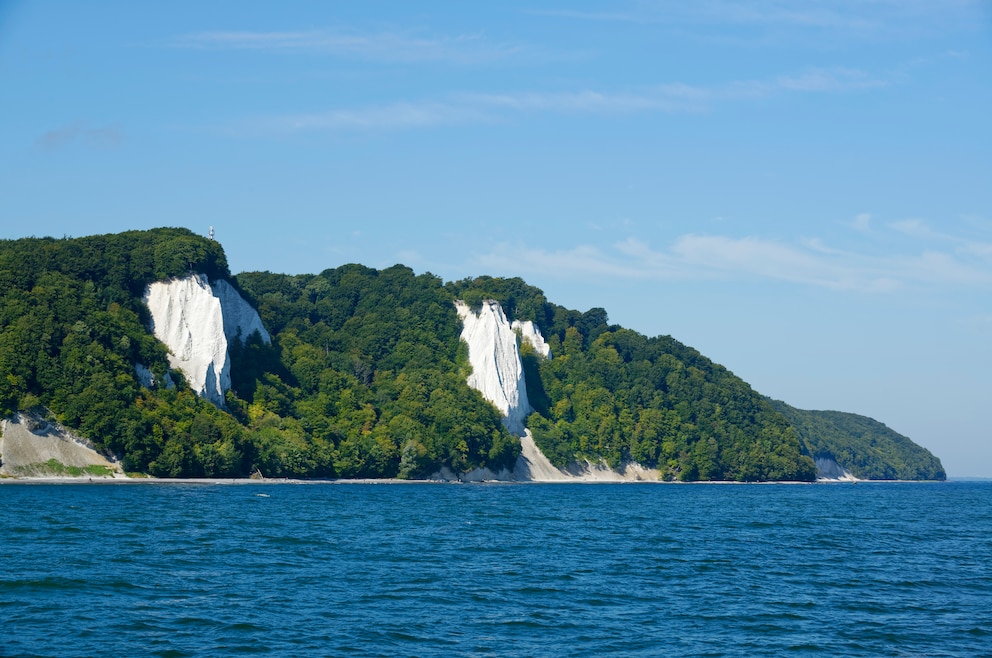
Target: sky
801	190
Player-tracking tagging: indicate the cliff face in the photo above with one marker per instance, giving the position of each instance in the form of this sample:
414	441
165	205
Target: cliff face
497	372
532	335
196	320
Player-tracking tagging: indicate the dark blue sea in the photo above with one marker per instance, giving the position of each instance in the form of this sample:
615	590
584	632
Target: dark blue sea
509	570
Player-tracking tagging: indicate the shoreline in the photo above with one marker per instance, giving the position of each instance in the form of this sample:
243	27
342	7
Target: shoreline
395	481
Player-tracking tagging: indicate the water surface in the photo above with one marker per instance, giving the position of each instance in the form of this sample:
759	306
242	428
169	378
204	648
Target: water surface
632	569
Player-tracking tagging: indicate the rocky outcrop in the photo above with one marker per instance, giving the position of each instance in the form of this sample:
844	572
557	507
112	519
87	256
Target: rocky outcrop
196	321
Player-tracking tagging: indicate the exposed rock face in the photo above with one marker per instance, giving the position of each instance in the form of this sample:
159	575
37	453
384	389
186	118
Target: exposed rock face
28	443
497	372
240	318
828	469
531	334
196	320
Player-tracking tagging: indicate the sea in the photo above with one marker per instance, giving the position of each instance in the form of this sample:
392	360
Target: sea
635	569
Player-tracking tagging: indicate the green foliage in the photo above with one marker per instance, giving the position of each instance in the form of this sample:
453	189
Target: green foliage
371	377
55	468
864	446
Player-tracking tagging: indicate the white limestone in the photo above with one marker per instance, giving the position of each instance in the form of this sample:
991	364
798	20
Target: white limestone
240	318
196	321
827	468
533	466
497	372
531	334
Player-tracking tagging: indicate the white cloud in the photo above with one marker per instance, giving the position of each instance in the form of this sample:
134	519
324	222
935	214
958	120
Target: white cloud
664	98
964	247
385	117
383	46
917	228
718	11
833	17
809	262
478	107
838	79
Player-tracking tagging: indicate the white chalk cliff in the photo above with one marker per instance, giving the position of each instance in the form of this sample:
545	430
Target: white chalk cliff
531	334
497	372
197	320
827	468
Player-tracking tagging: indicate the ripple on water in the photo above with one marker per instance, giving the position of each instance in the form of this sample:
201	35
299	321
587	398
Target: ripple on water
497	570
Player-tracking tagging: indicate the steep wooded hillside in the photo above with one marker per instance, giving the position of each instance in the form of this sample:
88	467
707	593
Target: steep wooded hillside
863	446
365	374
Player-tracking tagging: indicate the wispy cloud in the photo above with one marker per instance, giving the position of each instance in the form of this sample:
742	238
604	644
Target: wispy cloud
830	80
851	17
396	116
921	230
862	222
382	46
717	11
79	131
478	107
696	257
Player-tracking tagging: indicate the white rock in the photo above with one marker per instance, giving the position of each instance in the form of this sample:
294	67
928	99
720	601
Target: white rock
196	321
497	372
533	466
531	334
240	318
827	468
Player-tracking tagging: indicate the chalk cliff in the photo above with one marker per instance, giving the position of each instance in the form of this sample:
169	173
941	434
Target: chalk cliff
531	334
497	372
196	320
827	468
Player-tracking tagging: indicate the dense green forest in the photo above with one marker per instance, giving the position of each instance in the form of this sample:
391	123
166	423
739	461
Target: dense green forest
365	375
866	447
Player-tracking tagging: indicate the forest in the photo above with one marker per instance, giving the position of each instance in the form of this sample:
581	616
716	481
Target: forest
866	447
366	376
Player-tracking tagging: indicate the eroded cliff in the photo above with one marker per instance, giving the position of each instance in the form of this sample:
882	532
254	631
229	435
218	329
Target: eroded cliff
196	320
497	372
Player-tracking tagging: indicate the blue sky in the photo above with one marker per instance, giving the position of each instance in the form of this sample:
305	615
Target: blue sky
800	190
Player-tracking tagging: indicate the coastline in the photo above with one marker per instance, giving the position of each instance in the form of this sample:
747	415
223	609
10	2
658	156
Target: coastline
395	481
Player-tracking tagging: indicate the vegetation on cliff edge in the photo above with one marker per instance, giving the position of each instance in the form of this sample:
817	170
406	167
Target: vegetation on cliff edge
365	376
